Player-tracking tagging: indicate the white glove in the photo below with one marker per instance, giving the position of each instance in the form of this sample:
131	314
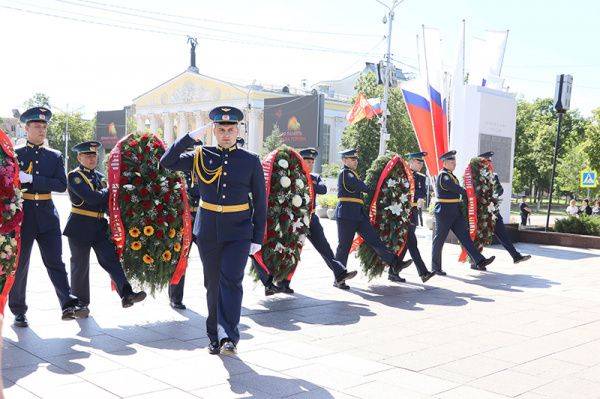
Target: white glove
254	248
198	133
25	177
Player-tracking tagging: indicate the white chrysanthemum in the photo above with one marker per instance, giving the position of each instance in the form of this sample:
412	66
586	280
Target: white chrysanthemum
279	247
297	201
128	187
299	183
391	182
404	198
2	239
395	208
491	207
283	163
306	220
285	181
297	224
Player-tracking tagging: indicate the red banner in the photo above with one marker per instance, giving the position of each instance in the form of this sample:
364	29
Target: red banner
7	147
267	165
114	210
471	209
186	239
358	241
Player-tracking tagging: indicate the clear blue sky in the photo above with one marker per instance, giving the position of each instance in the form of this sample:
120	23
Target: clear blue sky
100	67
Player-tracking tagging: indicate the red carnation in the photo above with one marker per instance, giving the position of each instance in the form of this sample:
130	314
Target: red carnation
137	181
160	234
146	204
133	143
147	149
156	188
156	144
167	197
129	212
160	220
123	180
127	198
170	218
284	217
128	153
144	192
152	174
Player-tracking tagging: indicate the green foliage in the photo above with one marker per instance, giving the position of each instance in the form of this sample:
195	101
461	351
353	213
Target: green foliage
328	201
364	135
272	142
37	100
330	170
585	225
79	130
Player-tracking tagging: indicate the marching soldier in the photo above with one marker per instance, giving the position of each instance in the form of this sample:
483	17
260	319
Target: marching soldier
351	216
448	216
42	171
416	164
226	228
87	228
193	192
500	228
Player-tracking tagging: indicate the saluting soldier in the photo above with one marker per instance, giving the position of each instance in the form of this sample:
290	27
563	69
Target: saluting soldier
448	216
227	228
500	228
416	163
42	171
351	216
193	192
87	228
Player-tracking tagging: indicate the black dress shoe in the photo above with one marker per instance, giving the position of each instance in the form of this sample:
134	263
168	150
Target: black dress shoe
400	265
481	265
521	258
81	312
479	268
284	286
346	276
178	305
21	320
214	348
228	347
68	313
341	286
425	277
439	272
271	289
134	297
396	278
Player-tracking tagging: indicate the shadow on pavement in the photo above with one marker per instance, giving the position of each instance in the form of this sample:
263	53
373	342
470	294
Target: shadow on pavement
506	282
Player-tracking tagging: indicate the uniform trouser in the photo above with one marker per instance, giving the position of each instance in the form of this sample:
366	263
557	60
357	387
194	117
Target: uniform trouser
176	290
446	220
223	264
420	213
504	239
50	245
80	267
316	236
346	231
411	246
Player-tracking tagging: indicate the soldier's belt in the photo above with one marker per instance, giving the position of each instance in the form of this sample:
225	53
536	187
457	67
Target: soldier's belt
224	208
449	200
92	214
193	209
350	199
37	197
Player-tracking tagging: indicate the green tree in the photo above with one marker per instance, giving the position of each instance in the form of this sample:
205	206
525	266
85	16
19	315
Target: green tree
37	100
272	142
364	135
592	141
567	171
79	130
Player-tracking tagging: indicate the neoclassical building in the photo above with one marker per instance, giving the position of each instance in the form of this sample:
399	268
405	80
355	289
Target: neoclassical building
182	104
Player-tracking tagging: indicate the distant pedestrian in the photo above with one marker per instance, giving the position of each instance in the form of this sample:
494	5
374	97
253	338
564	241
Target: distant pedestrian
596	208
586	208
525	211
573	209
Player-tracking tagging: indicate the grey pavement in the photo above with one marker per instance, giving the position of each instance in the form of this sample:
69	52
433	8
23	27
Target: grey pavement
529	331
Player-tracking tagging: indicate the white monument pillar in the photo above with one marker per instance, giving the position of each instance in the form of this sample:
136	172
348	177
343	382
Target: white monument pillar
140	121
153	123
168	129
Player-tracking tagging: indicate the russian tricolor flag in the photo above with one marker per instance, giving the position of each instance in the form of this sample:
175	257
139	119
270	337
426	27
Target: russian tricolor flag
419	108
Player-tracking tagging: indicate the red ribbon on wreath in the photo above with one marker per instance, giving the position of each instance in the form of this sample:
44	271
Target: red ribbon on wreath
358	241
7	147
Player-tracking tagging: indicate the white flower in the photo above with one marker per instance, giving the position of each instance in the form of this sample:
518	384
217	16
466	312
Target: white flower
128	187
279	247
404	198
280	199
13	207
13	242
306	220
283	163
297	201
299	183
391	182
395	208
2	239
297	225
285	181
491	207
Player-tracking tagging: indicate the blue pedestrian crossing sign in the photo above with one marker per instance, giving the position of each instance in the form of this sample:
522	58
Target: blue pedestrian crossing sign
588	179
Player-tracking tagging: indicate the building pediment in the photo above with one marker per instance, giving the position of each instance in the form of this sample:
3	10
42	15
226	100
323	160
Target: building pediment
188	88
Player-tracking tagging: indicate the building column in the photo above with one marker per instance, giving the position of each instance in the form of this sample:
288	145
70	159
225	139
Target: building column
153	123
140	121
255	134
182	126
168	129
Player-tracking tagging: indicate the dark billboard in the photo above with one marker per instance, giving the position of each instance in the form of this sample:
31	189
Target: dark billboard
110	127
297	118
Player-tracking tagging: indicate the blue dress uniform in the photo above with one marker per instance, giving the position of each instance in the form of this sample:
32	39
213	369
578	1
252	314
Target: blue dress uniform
448	216
351	217
40	222
193	192
500	228
229	179
411	243
87	229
